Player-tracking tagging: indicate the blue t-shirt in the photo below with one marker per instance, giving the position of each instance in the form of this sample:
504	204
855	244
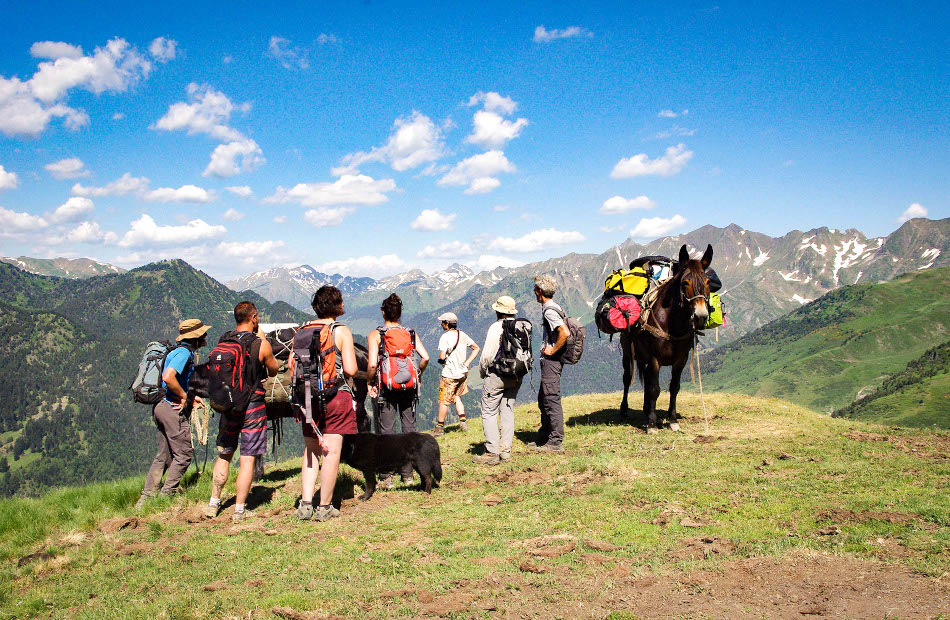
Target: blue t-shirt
182	360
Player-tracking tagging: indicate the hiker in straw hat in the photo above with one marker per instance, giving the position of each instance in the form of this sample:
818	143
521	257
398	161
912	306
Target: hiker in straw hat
501	383
171	414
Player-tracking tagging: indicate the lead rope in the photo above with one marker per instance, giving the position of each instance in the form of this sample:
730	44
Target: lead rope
699	371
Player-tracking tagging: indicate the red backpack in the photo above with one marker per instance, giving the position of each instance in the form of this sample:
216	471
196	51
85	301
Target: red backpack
232	371
397	368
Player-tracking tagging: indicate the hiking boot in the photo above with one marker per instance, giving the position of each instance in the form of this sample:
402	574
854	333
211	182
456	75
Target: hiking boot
486	459
304	511
407	480
505	456
141	503
239	517
210	512
463	426
438	431
324	513
388	482
549	448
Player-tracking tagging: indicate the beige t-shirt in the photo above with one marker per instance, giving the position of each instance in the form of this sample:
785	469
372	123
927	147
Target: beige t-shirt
455	362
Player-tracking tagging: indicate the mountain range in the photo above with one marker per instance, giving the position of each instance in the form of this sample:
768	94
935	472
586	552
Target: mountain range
73	268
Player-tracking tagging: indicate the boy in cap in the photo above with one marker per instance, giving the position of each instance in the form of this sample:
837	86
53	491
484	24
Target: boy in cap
498	393
453	347
170	415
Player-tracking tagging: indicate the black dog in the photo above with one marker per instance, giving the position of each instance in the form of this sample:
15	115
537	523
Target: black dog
371	453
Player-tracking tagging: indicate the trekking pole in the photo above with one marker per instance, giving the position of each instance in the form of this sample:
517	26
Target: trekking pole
699	371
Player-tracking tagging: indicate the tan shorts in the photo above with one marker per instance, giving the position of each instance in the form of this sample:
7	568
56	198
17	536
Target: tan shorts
451	389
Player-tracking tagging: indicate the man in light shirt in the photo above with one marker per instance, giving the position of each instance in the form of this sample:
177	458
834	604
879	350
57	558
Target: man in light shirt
455	358
498	393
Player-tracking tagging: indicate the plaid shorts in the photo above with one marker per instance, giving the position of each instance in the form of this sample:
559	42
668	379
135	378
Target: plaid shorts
451	389
250	428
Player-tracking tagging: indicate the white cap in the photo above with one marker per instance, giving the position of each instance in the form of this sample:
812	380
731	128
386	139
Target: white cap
448	317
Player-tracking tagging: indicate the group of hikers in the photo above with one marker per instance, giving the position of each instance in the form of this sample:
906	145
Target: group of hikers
393	379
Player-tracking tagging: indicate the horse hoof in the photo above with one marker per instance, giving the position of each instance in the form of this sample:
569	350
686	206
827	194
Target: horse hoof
674	426
652	431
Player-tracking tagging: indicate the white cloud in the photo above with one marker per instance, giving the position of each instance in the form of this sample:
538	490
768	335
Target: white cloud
675	158
8	180
619	204
118	116
914	210
55	49
224	160
124	185
535	241
233	215
415	140
324	38
90	232
500	208
162	49
446	249
652	227
674	132
489	262
543	35
209	112
493	102
249	251
478	172
145	232
243	191
288	56
280	219
347	190
667	114
374	266
73	209
323	217
432	220
185	193
27	107
14	223
489	130
612	229
70	168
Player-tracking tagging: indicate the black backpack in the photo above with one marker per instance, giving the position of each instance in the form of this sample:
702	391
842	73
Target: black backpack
514	357
232	376
574	347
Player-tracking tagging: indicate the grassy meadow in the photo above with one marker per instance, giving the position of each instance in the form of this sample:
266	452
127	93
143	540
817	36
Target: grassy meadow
572	535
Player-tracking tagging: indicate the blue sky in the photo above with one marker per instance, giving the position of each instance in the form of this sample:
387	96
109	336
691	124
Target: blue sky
368	138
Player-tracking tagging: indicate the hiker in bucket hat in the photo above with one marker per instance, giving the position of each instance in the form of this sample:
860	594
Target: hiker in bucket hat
454	346
499	388
171	414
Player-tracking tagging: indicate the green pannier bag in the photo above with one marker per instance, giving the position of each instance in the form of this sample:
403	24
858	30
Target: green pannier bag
716	317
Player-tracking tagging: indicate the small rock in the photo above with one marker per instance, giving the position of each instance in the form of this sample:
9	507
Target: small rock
530	567
492	499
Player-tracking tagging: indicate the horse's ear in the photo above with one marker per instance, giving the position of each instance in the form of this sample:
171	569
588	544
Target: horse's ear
684	256
707	257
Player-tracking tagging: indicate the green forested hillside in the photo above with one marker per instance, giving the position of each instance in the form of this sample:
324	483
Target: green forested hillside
68	351
918	395
839	346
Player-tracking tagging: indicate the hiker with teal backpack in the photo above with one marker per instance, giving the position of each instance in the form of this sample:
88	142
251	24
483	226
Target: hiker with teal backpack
394	377
163	382
323	357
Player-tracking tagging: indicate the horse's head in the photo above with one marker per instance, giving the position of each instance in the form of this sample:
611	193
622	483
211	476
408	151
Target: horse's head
693	285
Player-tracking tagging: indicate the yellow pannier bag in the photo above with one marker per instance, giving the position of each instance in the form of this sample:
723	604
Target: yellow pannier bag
628	282
716	317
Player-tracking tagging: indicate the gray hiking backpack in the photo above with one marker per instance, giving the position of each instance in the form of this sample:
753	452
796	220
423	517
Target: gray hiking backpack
514	358
574	347
147	385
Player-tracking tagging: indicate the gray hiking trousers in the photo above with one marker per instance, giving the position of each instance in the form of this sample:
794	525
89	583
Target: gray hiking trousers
175	452
498	412
393	406
549	402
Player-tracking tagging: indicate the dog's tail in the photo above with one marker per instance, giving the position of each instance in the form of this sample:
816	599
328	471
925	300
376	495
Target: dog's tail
437	471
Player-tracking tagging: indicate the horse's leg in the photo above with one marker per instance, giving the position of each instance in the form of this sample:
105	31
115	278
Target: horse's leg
674	390
650	375
625	348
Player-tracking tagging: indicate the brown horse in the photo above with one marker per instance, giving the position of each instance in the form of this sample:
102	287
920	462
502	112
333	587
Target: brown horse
680	310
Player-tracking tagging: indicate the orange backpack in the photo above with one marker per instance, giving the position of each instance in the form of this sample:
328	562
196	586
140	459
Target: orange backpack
397	368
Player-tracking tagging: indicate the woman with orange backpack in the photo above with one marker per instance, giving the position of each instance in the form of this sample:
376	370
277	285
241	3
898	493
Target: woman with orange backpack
396	387
322	359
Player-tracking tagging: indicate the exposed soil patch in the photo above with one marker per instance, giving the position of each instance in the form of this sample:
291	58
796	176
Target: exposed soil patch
849	516
529	476
705	547
40	556
118	524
